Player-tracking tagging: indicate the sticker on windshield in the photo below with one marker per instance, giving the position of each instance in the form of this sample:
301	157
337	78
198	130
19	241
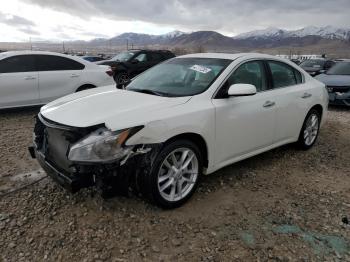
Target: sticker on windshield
200	69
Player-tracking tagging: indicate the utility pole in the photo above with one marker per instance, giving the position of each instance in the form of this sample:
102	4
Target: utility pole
30	42
63	47
127	44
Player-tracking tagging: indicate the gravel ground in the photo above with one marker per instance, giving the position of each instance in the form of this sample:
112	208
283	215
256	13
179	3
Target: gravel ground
284	205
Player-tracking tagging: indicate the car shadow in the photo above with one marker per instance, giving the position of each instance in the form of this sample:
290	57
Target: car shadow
339	108
20	110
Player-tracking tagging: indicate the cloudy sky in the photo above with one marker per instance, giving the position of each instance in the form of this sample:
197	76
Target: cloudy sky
88	19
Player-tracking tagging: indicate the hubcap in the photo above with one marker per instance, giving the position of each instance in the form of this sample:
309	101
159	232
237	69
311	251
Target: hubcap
311	129
178	174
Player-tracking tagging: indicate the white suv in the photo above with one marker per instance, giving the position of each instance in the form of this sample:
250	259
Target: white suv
30	78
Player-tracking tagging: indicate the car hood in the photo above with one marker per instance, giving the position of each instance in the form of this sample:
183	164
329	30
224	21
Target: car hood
115	108
334	80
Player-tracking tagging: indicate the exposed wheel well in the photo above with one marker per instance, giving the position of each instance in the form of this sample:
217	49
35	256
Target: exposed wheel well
198	140
84	87
318	108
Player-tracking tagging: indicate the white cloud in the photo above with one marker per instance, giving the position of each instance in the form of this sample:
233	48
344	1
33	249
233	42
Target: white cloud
57	25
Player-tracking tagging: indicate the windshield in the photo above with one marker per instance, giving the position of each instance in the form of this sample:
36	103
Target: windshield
123	57
180	77
313	63
342	68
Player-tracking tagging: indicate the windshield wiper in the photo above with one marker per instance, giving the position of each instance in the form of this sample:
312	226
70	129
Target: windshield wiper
148	91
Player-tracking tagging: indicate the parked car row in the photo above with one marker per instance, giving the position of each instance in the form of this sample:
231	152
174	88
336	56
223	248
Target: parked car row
30	78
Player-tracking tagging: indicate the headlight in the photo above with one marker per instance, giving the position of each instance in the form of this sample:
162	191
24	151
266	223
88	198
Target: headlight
102	145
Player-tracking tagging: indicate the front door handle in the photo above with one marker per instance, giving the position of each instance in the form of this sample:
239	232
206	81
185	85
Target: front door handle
269	104
29	78
306	95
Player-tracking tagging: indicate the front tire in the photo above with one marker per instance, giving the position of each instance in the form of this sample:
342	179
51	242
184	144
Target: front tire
310	130
175	174
121	78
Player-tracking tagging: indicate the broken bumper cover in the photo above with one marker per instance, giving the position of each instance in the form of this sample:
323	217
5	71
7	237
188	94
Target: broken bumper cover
68	181
52	144
115	177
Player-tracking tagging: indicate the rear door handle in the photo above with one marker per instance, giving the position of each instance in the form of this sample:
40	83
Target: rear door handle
306	95
74	75
269	104
30	78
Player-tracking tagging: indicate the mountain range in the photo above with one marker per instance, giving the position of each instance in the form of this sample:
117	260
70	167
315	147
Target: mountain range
266	38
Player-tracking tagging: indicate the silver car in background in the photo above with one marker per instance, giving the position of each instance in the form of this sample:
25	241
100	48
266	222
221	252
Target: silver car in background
337	81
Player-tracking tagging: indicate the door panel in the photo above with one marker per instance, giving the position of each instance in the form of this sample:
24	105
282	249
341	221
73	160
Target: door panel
55	84
58	76
243	125
290	106
19	89
18	81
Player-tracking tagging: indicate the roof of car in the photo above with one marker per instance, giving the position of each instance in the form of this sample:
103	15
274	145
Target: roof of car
29	52
229	56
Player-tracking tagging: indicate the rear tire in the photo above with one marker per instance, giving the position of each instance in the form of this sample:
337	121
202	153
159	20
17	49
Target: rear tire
310	130
175	174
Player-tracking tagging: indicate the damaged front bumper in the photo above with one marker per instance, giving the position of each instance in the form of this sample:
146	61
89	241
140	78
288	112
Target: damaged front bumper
51	147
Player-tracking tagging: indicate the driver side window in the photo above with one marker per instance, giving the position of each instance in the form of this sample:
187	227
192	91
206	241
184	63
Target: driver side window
141	57
250	73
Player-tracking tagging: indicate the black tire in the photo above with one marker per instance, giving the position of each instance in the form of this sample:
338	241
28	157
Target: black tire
302	142
149	182
121	78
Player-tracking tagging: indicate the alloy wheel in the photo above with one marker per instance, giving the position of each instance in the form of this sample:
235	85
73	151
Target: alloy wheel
311	129
178	174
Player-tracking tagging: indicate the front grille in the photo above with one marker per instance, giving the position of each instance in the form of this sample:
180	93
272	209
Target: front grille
339	89
53	140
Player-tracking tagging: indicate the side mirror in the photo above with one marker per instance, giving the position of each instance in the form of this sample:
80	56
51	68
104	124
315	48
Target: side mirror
135	61
242	90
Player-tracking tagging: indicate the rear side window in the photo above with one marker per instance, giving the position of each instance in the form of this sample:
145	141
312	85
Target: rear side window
57	63
284	75
17	64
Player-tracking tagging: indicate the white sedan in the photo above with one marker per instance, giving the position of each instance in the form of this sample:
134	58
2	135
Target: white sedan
30	78
184	118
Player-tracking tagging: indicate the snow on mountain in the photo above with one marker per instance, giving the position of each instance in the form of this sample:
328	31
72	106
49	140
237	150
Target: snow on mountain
328	32
173	34
264	33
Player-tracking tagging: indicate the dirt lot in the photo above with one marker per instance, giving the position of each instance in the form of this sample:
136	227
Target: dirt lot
284	205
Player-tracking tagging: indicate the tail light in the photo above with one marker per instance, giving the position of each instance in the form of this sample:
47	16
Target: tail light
110	72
